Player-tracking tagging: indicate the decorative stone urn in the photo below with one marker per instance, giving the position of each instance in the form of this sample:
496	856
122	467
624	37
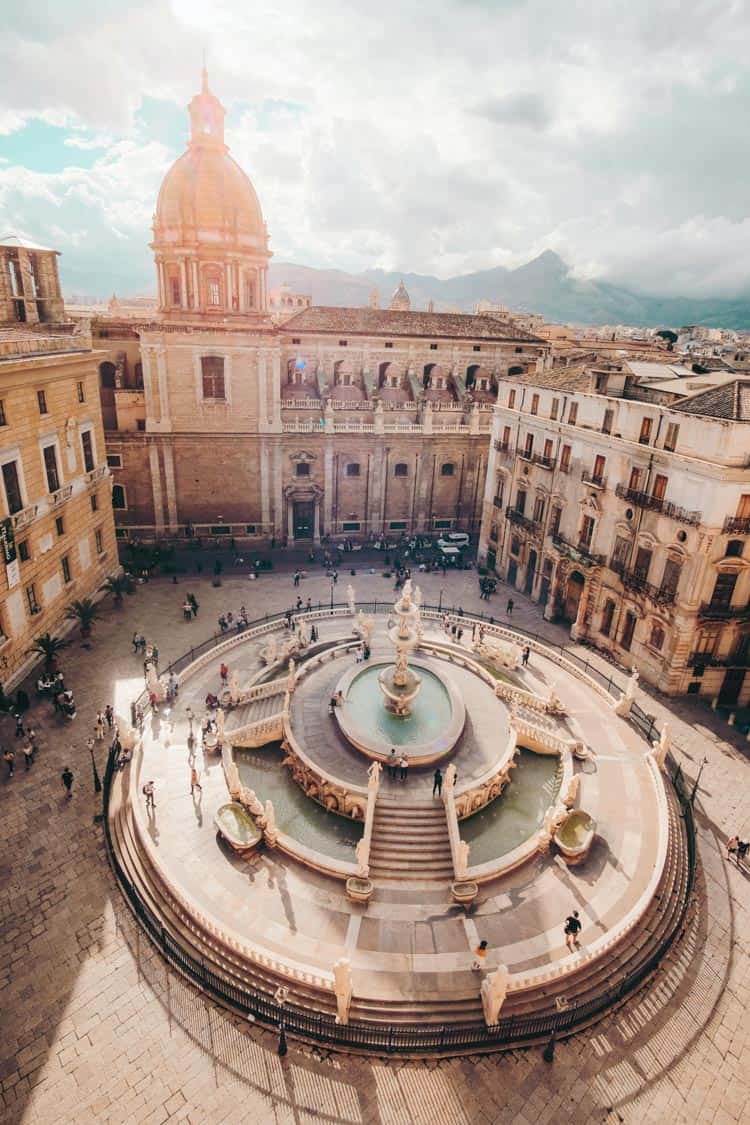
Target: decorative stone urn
359	889
575	836
464	892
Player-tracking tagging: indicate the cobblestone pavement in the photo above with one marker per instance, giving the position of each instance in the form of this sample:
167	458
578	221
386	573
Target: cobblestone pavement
95	1028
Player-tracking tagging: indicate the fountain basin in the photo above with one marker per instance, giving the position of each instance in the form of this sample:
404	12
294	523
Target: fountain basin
426	735
575	837
235	825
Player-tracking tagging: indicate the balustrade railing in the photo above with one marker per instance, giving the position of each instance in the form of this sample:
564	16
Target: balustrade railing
578	552
658	504
737	525
596	481
520	520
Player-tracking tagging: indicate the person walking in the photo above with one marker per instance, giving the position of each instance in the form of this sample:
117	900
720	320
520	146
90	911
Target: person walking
392	764
572	930
190	717
509	606
224	673
28	755
437	782
187	611
31	735
109	715
19	724
148	792
195	781
99	727
136	642
403	767
480	957
193	604
67	780
10	760
525	656
732	845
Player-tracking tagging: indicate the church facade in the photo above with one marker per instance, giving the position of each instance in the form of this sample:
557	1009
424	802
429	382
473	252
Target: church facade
333	423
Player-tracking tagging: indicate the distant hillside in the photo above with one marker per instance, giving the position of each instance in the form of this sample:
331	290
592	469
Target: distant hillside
543	285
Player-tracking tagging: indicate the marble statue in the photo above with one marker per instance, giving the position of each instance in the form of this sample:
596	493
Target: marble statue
362	852
493	992
232	775
234	688
622	706
153	683
417	597
270	831
269	651
449	777
291	680
249	800
661	748
128	735
553	818
220	723
406	595
365	626
342	976
303	632
373	774
462	860
571	793
555	704
350	599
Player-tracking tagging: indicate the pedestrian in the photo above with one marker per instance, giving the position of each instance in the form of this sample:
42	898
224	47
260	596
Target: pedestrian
136	642
187	610
509	606
224	672
308	604
299	604
109	715
392	763
195	781
480	956
31	735
10	760
437	782
742	848
174	685
155	654
189	713
525	656
148	792
732	845
99	727
572	930
19	725
459	634
67	780
28	755
335	577
193	604
403	767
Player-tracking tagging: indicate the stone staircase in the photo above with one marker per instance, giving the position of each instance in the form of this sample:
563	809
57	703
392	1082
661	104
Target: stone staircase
410	842
253	711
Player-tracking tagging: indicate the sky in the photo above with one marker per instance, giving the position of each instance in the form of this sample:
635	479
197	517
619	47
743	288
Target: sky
439	137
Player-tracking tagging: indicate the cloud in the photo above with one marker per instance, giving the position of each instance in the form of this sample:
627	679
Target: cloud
528	110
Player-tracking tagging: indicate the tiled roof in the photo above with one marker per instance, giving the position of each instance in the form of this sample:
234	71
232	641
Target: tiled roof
574	377
388	322
730	401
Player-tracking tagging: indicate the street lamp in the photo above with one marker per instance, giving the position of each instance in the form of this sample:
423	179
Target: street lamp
440	600
697	781
97	782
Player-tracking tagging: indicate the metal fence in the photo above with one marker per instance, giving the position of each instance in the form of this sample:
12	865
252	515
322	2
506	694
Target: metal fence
404	1039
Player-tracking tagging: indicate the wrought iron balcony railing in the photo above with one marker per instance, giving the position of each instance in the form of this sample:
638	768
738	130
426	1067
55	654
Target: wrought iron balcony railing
708	660
593	480
545	462
579	553
502	447
722	611
518	518
738	525
657	504
636	580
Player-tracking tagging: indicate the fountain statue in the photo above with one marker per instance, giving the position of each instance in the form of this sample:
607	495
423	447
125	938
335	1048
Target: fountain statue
373	775
270	831
462	860
291	680
269	651
623	705
342	976
661	748
350	599
364	626
220	724
234	688
398	682
362	853
493	992
303	631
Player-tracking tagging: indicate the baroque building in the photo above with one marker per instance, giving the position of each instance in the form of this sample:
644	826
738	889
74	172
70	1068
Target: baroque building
56	527
224	418
618	496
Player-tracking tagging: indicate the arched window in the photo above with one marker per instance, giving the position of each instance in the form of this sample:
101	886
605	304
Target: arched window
119	499
401	469
107	375
657	636
174	291
447	469
212	372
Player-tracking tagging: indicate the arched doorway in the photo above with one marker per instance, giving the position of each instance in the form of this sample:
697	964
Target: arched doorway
573	595
546	582
528	585
107	372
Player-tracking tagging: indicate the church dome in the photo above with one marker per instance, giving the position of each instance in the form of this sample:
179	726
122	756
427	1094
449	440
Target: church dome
400	301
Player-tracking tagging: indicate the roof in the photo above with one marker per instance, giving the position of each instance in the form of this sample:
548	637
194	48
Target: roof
391	322
644	369
574	377
729	401
25	243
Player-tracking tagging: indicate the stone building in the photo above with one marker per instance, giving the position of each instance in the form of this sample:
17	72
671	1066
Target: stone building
622	504
58	537
337	422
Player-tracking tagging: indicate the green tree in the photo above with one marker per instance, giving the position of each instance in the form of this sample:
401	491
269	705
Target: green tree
119	585
49	647
84	612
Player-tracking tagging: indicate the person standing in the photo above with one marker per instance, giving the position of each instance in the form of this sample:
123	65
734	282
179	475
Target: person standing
195	781
10	760
392	764
99	727
572	930
403	767
148	792
19	724
509	606
67	780
525	656
109	715
437	782
480	956
224	673
190	717
31	735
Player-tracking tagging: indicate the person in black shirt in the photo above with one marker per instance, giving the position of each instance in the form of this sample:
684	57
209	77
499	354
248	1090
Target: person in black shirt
572	930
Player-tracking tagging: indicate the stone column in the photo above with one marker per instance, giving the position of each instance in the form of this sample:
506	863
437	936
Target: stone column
328	487
578	628
169	482
161	369
183	285
290	521
228	285
316	528
162	284
153	460
278	506
265	491
196	286
274	409
262	393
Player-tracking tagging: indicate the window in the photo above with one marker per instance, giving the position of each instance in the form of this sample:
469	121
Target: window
250	529
401	470
599	464
433	347
94	502
88	451
12	487
31	601
351	525
506	437
98	542
50	467
118	497
635	480
65	564
656	640
174	284
23	550
81	392
302	469
214	291
41	399
734	548
3	419
587	532
59	525
519	351
476	348
212	372
547	450
529	447
643	562
620	554
296	340
609	417
515	545
512	400
555	518
398	525
447	469
554	409
572	413
140	425
565	459
607	617
388	344
499	489
443	525
724	589
114	460
535	404
220	529
352	470
493	532
645	435
670	439
671	577
538	509
521	501
660	487
342	343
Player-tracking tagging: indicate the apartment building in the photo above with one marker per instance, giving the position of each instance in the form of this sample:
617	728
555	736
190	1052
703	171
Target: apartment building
629	517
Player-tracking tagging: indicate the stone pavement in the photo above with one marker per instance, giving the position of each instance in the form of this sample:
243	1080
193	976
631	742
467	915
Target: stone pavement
95	1028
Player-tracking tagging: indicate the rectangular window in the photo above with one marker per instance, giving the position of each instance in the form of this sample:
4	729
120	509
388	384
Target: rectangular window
433	347
670	439
114	460
608	614
512	399
399	525
50	468
440	525
95	502
506	437
23	550
635	479
140	425
388	344
175	286
598	473
609	417
572	413
65	564
214	291
548	449
302	469
250	529
342	343
645	435
31	601
12	487
671	577
724	589
643	562
220	529
659	490
554	409
60	525
538	509
351	525
352	469
565	459
98	542
620	554
41	399
476	348
587	532
81	392
296	339
529	447
555	518
521	501
401	470
3	419
499	489
212	372
88	451
535	404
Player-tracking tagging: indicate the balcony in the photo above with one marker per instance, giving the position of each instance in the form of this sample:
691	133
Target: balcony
720	611
542	461
502	447
522	521
25	517
708	660
62	495
658	504
737	525
593	481
96	474
526	454
636	580
579	554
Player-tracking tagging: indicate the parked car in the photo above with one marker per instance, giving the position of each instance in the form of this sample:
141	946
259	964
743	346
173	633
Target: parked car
454	539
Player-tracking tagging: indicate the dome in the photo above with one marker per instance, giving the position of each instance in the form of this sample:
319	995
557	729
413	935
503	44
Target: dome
400	301
206	189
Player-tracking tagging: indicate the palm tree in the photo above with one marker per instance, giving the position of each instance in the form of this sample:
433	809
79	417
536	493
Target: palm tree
85	612
49	647
119	585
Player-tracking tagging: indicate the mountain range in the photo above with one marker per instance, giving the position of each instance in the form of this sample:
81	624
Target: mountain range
544	285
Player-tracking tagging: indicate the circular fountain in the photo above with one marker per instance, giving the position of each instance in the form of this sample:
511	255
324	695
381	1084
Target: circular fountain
398	682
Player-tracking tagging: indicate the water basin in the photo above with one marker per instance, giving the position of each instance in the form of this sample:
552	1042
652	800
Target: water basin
296	814
237	827
517	813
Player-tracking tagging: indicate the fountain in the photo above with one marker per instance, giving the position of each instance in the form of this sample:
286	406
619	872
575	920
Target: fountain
398	682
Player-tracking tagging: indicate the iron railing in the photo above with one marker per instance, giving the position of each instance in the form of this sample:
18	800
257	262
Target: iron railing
579	552
593	479
657	504
740	525
532	526
722	611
